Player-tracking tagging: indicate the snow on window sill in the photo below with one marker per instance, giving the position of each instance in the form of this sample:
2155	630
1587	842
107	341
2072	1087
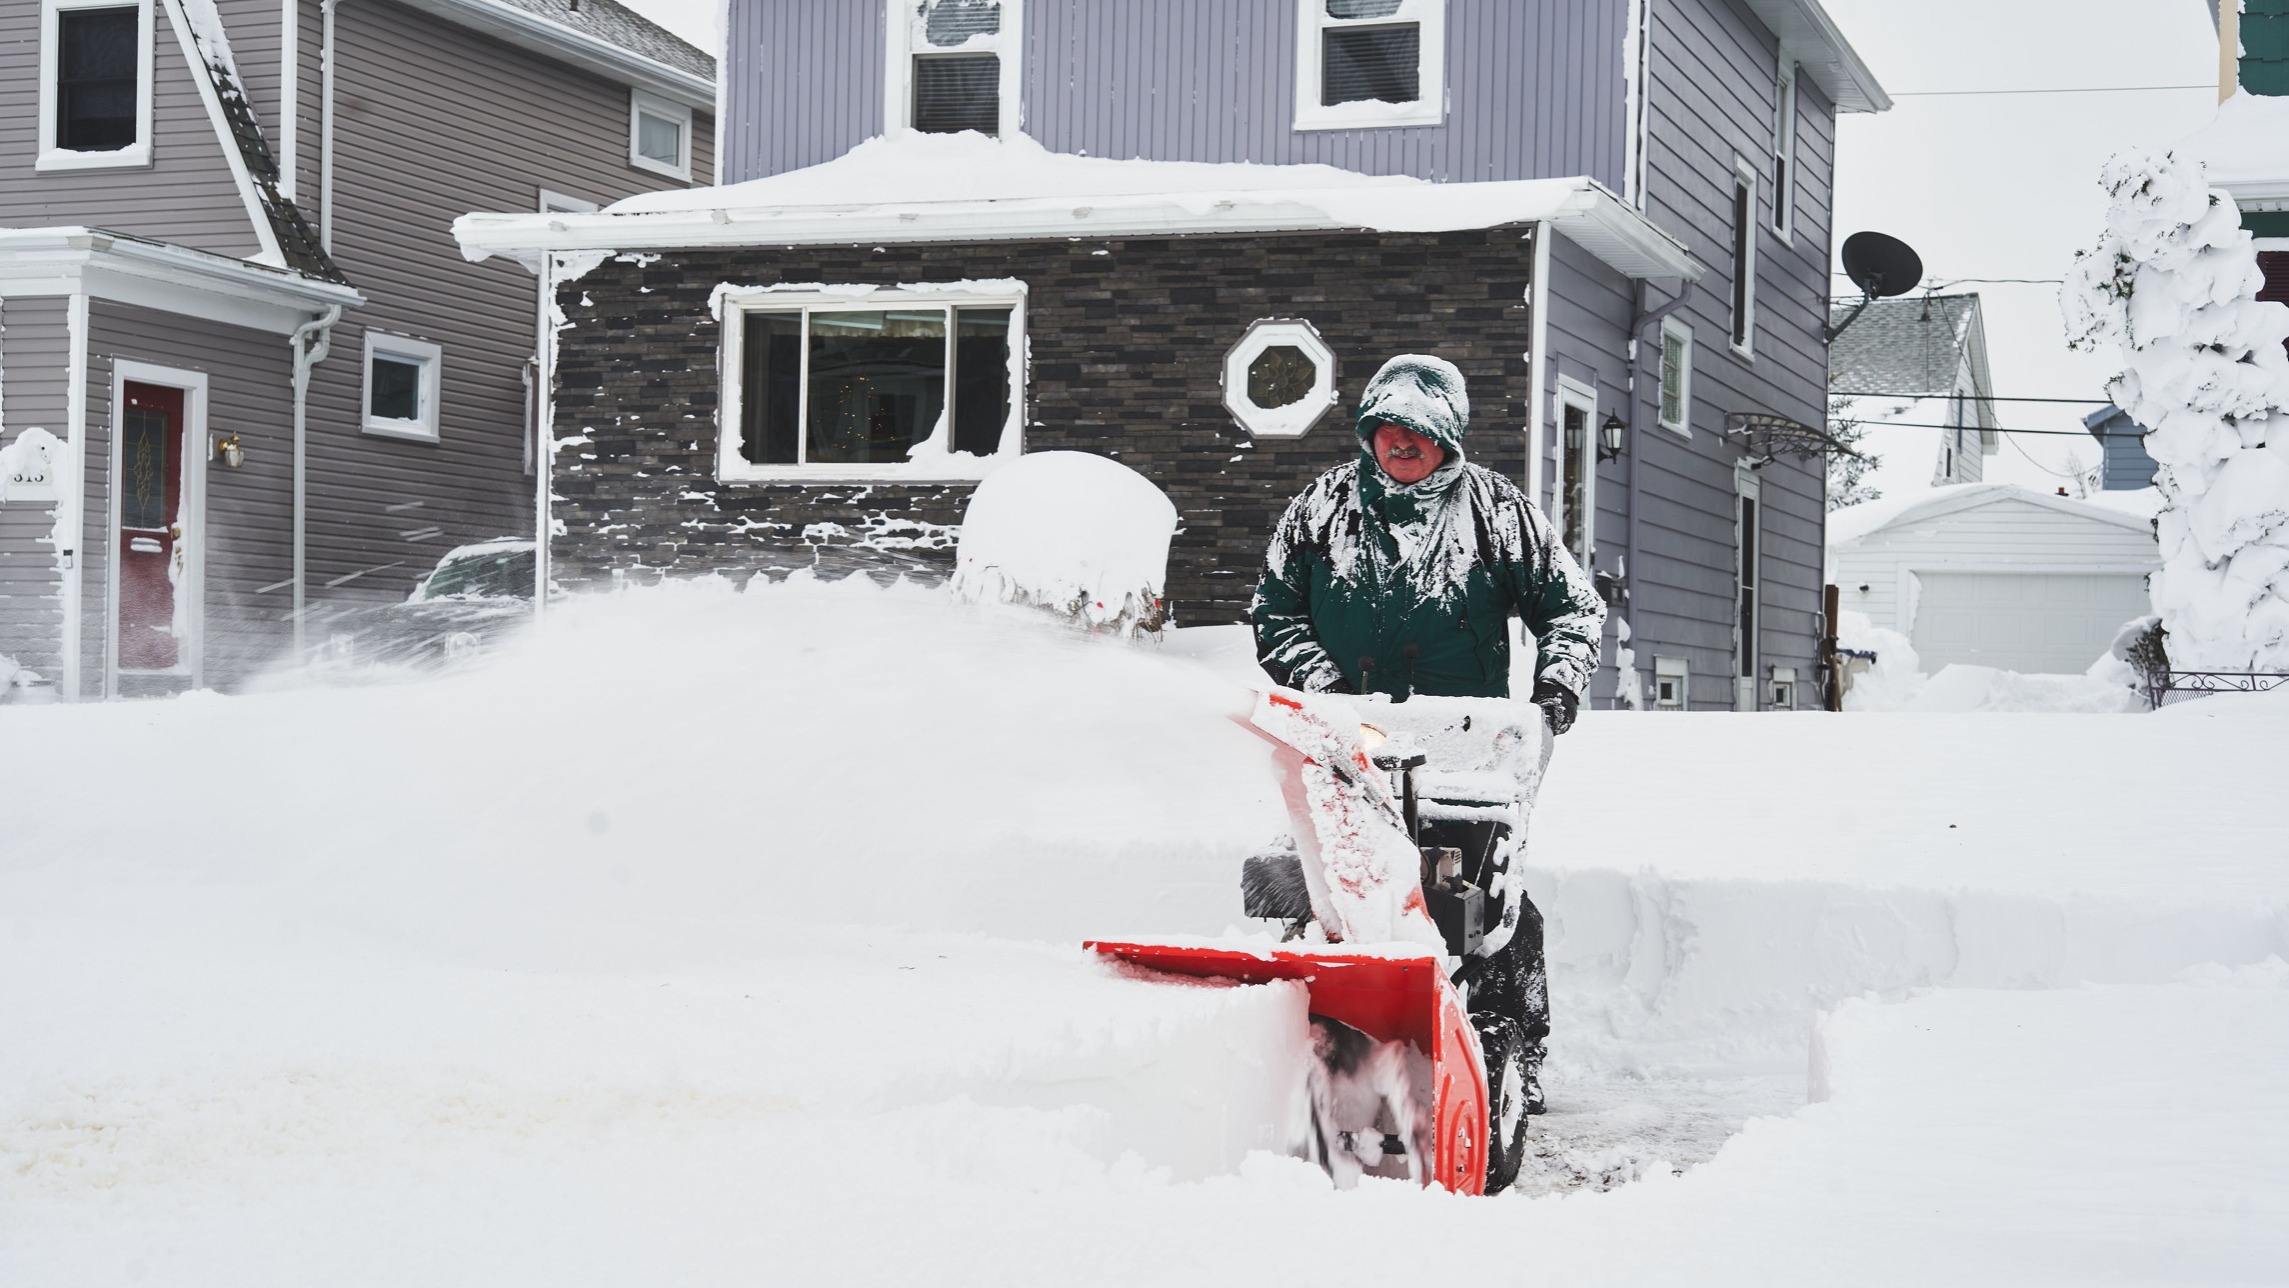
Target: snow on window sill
134	154
410	430
962	468
1368	114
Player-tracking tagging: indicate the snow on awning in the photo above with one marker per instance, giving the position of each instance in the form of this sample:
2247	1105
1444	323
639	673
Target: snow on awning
966	187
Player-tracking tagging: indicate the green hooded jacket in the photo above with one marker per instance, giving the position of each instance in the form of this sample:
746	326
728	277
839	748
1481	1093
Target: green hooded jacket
1362	566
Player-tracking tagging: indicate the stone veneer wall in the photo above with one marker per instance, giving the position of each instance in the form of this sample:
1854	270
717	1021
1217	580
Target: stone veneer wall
1127	343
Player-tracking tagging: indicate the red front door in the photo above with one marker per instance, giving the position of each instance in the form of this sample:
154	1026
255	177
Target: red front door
150	525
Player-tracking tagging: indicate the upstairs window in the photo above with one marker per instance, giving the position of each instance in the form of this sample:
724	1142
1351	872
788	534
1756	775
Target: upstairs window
953	65
851	383
402	387
95	84
659	135
1676	376
1784	153
1366	63
1744	260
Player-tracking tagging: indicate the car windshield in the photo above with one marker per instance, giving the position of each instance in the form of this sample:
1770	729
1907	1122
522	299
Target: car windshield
491	574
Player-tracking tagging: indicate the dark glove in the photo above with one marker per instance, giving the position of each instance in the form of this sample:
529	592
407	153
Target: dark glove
1558	704
1334	682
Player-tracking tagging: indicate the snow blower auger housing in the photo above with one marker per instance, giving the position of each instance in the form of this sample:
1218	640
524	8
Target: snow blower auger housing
1396	888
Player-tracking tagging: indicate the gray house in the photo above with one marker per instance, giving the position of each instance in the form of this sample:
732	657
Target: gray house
246	376
1931	352
2123	463
1183	236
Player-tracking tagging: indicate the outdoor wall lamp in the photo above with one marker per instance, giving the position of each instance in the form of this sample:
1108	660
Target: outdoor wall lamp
1610	431
228	448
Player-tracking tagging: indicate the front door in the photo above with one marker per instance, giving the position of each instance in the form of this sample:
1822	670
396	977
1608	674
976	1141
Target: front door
150	526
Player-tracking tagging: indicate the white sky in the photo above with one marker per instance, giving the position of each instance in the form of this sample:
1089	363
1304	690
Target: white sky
2006	185
1980	185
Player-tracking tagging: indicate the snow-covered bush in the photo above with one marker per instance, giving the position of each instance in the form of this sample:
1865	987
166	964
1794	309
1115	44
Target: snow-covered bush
1082	536
2172	285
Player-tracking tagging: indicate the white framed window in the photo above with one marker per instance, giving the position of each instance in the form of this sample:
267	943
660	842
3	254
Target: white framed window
1672	680
95	84
659	135
858	382
1784	152
1748	533
1367	63
401	386
1676	411
1577	468
953	65
1279	379
1784	688
1744	259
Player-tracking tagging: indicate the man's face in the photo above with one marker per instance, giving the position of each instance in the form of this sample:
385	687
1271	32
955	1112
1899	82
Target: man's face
1405	455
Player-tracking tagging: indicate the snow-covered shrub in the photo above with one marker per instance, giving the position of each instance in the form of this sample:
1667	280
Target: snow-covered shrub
2172	285
2143	655
1081	536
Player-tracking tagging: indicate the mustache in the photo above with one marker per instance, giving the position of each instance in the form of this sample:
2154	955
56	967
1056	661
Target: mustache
1403	451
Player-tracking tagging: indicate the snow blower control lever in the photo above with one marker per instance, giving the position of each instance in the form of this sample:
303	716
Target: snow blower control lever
1457	906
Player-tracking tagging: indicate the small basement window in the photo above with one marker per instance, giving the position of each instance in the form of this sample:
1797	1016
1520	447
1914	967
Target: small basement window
401	387
659	135
1365	63
1279	379
1784	688
1670	680
95	84
953	65
857	384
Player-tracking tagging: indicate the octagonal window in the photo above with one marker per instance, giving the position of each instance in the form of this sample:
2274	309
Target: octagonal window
1279	379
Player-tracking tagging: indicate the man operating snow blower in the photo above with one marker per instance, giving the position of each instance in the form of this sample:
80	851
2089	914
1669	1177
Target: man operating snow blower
1396	574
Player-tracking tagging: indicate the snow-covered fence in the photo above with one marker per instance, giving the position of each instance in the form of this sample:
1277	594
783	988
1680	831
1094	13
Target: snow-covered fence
1082	536
2172	285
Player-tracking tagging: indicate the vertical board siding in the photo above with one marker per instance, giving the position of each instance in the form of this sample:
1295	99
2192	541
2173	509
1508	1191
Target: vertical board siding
436	121
249	510
34	357
186	195
1534	87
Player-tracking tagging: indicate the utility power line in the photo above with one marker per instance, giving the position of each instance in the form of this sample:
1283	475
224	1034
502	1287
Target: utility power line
1988	398
2075	89
1974	429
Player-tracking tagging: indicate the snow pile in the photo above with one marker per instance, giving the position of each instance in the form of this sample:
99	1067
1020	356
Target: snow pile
1080	535
1896	682
2172	286
2246	142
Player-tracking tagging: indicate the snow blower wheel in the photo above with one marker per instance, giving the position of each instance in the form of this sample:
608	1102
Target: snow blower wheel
1503	1044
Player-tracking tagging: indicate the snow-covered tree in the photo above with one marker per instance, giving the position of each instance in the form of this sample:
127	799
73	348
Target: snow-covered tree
2172	285
1849	463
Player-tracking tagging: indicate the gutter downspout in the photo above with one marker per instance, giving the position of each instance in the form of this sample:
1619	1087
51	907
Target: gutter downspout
306	356
72	524
326	130
1640	319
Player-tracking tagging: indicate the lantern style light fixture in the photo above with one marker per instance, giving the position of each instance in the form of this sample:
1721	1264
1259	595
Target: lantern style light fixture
1610	434
229	448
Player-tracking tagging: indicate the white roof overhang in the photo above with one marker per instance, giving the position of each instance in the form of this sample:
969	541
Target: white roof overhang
1579	208
1811	36
528	30
173	279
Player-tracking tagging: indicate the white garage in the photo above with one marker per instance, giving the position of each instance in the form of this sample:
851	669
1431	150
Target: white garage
1992	574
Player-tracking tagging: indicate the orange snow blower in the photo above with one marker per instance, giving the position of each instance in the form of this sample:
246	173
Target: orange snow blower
1402	890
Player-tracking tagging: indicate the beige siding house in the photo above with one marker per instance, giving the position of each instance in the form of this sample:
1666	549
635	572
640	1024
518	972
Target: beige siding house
247	380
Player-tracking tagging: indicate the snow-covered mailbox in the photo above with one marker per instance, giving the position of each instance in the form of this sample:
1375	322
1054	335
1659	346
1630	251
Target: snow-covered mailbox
1082	536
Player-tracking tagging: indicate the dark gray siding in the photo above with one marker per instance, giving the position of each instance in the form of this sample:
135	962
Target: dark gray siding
1534	87
186	195
435	122
1712	99
249	534
34	356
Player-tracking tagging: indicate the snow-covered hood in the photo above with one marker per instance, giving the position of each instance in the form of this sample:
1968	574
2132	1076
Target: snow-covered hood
1424	393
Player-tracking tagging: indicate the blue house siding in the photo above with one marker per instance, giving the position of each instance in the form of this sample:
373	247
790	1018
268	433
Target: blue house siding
1200	80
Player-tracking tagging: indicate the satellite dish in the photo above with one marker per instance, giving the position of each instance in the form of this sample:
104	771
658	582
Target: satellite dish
1881	266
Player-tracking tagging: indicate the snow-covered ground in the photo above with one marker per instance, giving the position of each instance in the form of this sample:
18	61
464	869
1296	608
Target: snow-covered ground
711	938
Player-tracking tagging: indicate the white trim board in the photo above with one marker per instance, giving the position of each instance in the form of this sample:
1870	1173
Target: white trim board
527	30
190	647
204	77
172	279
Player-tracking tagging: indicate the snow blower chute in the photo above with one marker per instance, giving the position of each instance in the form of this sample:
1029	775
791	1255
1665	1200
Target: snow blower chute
1398	882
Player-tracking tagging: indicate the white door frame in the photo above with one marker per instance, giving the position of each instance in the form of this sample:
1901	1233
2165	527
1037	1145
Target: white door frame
1573	393
191	591
1747	486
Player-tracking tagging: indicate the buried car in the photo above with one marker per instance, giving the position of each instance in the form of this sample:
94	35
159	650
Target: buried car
476	594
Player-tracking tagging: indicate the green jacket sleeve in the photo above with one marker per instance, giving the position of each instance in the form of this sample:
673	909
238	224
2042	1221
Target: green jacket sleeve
1559	603
1286	645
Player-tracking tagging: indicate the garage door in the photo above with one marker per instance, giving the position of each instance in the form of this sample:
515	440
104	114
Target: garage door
2055	623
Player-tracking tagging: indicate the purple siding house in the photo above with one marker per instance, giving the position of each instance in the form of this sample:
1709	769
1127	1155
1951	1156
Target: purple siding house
1183	235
